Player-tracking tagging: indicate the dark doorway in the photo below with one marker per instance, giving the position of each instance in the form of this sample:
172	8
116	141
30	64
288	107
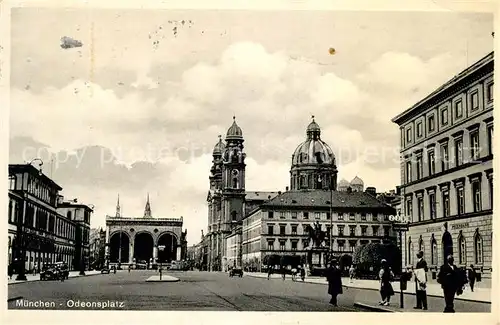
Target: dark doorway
119	241
169	252
447	245
143	247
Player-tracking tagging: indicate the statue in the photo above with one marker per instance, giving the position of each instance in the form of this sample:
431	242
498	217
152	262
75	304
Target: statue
316	234
184	234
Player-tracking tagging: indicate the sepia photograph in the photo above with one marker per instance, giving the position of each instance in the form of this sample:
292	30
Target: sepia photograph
250	160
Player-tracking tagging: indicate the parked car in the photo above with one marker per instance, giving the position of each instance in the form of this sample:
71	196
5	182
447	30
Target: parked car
105	270
236	272
63	268
50	273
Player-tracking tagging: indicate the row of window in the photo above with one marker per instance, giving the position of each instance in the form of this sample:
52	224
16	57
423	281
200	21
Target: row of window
375	230
36	187
459	154
326	216
476	200
447	247
458	112
41	219
294	244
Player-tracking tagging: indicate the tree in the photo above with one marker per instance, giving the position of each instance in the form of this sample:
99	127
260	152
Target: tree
370	256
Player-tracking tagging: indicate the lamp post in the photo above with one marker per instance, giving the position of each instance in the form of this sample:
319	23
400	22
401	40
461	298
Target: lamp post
330	235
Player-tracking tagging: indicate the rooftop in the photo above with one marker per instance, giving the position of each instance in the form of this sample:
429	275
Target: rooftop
321	198
447	85
259	195
15	168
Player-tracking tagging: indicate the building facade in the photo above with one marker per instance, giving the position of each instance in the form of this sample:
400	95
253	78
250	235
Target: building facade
80	215
280	225
47	235
447	171
146	239
97	247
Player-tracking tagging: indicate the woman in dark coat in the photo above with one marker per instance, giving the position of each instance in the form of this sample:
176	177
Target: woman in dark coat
386	290
333	276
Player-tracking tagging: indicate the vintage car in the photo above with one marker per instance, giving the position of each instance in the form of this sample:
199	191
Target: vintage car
236	272
53	272
63	268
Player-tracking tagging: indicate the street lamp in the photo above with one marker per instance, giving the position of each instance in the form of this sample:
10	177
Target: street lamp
331	216
21	275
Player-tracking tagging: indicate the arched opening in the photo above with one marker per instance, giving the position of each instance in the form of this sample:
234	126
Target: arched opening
345	261
119	245
462	253
447	245
169	252
410	251
434	251
478	248
421	246
143	247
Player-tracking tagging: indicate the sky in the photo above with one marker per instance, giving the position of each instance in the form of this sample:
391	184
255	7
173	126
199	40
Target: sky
138	107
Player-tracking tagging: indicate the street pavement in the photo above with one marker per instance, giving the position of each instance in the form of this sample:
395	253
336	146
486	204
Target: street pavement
213	291
480	294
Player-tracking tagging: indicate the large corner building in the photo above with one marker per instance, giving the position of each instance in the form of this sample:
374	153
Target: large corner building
447	171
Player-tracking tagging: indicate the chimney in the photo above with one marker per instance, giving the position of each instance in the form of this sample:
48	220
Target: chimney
279	192
286	188
349	189
371	190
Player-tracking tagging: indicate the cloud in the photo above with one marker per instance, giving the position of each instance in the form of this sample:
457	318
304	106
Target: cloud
160	140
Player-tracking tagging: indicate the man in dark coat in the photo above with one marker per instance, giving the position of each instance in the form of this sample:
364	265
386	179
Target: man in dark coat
471	275
334	278
451	281
420	289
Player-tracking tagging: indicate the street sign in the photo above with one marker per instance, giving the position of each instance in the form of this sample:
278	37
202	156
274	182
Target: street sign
161	247
400	226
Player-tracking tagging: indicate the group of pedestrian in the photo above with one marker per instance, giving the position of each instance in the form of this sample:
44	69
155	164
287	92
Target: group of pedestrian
451	278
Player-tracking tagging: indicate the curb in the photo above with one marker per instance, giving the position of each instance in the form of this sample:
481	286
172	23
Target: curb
36	280
374	308
374	289
14	299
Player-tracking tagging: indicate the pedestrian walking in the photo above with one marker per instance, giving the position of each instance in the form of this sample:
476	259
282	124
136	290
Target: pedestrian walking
352	271
420	273
386	291
451	281
334	278
471	276
10	271
129	267
302	273
269	271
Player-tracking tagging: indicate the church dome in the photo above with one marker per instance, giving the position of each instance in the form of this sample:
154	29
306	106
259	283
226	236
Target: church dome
313	150
313	126
343	183
234	132
219	147
357	181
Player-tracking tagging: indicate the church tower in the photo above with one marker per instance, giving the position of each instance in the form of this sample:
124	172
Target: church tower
147	209
118	213
214	201
233	177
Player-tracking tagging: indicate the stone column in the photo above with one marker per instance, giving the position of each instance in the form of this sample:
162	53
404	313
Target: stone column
106	247
131	253
155	253
178	255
